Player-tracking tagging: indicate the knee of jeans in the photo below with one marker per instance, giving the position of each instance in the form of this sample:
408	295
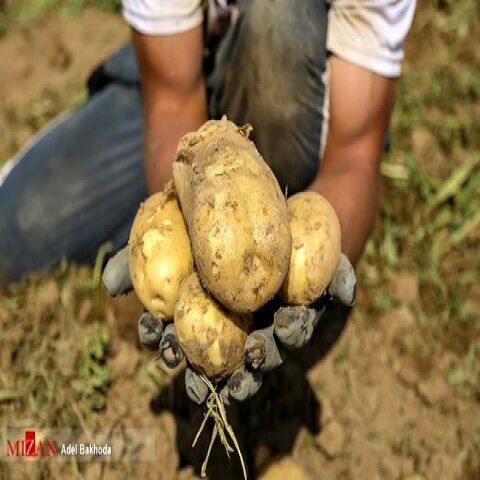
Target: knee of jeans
275	53
286	36
275	62
286	22
22	248
273	79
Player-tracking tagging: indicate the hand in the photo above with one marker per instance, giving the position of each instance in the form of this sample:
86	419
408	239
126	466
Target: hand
292	328
152	332
265	348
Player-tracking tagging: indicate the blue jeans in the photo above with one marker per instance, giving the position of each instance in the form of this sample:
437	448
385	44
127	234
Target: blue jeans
79	182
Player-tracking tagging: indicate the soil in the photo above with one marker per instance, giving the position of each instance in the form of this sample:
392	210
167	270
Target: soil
44	67
368	399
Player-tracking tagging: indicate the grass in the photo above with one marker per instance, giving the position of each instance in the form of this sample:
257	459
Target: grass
429	216
52	306
16	13
431	198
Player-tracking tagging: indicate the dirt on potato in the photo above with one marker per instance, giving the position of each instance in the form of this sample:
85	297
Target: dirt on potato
390	392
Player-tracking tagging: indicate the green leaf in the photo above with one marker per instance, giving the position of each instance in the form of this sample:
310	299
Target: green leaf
97	270
8	395
469	226
453	184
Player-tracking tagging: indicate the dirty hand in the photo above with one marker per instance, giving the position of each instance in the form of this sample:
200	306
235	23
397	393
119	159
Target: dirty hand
152	332
292	328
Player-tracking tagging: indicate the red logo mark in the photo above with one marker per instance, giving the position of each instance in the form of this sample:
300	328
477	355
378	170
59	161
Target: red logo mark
29	447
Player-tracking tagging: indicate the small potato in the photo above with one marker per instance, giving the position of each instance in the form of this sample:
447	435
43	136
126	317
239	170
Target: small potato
316	244
160	256
211	337
236	215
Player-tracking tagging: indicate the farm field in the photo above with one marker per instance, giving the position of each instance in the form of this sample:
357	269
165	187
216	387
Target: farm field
393	392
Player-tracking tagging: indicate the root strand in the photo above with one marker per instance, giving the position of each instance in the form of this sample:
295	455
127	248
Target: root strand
216	410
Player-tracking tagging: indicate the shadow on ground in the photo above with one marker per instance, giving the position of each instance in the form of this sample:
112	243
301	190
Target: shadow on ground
272	419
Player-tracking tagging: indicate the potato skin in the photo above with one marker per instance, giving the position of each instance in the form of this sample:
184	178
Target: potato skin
236	214
316	246
211	337
160	255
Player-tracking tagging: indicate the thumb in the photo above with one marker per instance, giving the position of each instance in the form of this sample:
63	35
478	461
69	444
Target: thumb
116	276
344	283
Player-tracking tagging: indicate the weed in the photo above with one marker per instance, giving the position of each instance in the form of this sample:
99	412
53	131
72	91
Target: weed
467	375
94	377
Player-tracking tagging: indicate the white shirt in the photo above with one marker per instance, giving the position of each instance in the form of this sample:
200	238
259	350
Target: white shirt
368	33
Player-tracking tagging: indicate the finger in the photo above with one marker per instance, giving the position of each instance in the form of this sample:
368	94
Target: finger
196	388
344	283
170	350
150	329
116	276
294	326
261	350
244	384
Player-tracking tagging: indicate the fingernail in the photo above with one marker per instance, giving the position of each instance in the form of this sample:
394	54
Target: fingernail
244	384
294	326
150	330
196	388
255	350
170	350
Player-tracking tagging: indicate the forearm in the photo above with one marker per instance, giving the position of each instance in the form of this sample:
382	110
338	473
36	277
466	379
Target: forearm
174	96
167	120
360	107
353	191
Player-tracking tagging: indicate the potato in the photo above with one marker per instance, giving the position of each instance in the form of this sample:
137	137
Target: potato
284	468
316	245
236	215
211	337
160	255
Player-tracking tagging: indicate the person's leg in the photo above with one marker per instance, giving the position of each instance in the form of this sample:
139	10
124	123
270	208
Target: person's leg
269	72
120	67
76	186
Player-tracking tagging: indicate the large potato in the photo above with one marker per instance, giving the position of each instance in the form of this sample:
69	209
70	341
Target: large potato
236	215
211	337
160	256
316	244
